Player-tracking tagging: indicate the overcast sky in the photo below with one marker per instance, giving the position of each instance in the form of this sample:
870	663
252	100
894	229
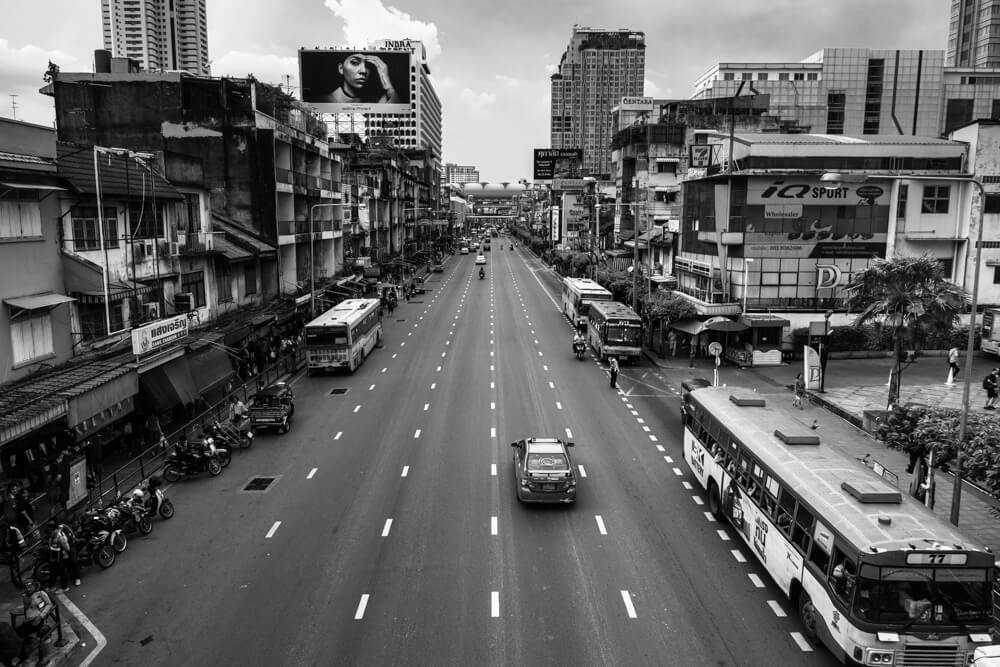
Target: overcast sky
490	59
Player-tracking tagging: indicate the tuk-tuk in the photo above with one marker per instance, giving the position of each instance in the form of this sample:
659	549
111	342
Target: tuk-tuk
273	407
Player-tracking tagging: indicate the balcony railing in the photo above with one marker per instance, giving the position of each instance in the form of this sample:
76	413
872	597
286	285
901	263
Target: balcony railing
192	243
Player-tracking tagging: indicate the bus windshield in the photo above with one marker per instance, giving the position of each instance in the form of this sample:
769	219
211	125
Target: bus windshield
923	596
623	334
334	335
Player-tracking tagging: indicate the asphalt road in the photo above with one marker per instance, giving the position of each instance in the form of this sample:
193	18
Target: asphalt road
391	534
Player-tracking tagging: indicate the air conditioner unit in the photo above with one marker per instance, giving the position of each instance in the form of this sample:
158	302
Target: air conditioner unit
183	302
151	310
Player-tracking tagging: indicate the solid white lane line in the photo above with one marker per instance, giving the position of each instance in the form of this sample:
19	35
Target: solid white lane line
426	405
803	643
357	407
757	581
600	524
569	433
493	470
678	472
697	500
386	527
629	607
360	613
494	528
558	405
339	433
371	388
687	485
776	608
738	555
495	604
583	473
100	642
723	535
416	434
273	530
311	473
710	517
493	431
406	471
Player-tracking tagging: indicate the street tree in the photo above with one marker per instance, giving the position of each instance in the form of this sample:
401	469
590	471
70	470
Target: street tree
904	294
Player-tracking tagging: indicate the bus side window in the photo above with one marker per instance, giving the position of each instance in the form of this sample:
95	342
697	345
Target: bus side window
786	508
819	557
802	531
842	575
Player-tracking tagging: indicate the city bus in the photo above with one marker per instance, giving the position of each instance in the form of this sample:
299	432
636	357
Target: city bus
577	295
990	341
875	576
613	329
343	336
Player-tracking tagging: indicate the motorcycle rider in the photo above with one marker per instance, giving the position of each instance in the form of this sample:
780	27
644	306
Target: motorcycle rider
482	272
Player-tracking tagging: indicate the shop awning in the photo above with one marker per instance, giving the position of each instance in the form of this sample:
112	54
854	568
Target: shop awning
31	186
102	397
38	301
689	326
724	324
210	368
169	385
763	320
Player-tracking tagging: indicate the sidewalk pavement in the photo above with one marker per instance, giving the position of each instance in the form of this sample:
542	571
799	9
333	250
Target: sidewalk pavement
855	385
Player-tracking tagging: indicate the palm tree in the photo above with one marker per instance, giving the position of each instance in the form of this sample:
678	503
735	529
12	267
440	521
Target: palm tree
905	293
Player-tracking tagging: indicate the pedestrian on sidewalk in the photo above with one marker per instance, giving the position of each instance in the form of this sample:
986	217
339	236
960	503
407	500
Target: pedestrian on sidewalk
13	545
799	387
614	371
953	355
991	383
694	350
672	342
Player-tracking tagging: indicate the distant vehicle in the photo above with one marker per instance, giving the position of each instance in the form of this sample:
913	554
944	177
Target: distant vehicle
475	245
875	576
480	259
544	471
577	295
464	250
343	336
437	268
614	329
991	331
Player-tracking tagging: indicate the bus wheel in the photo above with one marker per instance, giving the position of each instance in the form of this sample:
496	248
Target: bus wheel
809	617
714	500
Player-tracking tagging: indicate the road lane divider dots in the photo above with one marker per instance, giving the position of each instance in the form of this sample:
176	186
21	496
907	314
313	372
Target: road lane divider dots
493	431
406	471
357	408
723	535
493	470
661	448
600	524
687	485
386	528
494	604
371	388
438	369
569	433
273	530
362	605
755	580
493	405
697	500
802	642
416	434
652	437
710	517
312	473
738	555
583	472
433	385
384	370
668	458
337	436
776	608
544	367
552	385
494	528
426	406
629	607
678	472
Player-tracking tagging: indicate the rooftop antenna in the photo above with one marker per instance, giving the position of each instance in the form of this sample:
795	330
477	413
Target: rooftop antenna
13	106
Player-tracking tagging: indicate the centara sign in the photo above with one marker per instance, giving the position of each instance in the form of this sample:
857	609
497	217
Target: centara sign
154	336
811	192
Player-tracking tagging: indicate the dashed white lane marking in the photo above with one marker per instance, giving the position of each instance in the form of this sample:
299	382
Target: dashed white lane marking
552	385
493	470
311	473
569	433
494	528
697	500
357	408
494	604
678	472
646	428
416	434
652	437
273	530
661	448
723	535
687	485
393	355
668	458
433	385
493	406
371	388
583	473
493	431
491	341
776	608
403	344
444	354
384	370
755	580
629	607
493	385
539	353
492	368
447	342
544	367
438	369
492	353
360	612
634	413
600	524
640	420
710	517
426	405
386	527
337	436
406	471
409	333
558	405
803	643
738	555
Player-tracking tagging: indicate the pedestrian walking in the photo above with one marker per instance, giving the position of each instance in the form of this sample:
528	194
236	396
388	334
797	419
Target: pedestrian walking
694	350
13	545
953	355
24	511
672	342
991	383
614	371
799	387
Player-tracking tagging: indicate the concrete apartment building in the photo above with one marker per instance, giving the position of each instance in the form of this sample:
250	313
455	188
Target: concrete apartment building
457	174
161	35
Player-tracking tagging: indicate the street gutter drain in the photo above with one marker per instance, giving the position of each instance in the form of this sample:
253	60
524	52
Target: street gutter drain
414	301
338	391
259	484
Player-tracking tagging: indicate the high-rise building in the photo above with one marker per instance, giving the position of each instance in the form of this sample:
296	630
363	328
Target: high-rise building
598	68
974	34
457	173
160	34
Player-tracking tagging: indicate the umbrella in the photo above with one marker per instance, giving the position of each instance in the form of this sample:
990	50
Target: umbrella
724	324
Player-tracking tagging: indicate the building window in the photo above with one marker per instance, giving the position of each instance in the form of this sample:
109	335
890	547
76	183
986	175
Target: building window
812	76
935	199
835	104
20	219
996	275
194	283
904	193
799	76
30	336
143	223
958	112
86	234
729	76
992	203
250	279
747	76
93	322
224	286
762	76
782	76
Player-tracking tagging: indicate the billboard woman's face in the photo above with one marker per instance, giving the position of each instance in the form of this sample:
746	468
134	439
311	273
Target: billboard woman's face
355	70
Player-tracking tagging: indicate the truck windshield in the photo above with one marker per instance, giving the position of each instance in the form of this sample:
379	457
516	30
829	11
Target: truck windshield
923	596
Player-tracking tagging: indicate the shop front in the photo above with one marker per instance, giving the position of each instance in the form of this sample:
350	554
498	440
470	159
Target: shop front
764	338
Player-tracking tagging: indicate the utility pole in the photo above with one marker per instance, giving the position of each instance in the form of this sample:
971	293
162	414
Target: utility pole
13	107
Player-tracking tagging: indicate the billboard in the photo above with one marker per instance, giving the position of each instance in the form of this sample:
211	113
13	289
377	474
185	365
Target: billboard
557	163
355	80
152	337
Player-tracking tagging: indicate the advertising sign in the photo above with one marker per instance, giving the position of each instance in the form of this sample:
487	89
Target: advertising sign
75	483
700	156
811	369
556	218
808	191
557	163
153	336
568	183
576	217
356	80
636	104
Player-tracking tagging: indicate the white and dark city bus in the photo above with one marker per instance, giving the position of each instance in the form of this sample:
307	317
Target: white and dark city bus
874	575
990	341
614	329
343	336
577	295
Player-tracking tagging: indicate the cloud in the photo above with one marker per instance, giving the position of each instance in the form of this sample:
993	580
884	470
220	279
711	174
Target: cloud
472	102
21	69
267	67
508	81
651	89
369	20
551	69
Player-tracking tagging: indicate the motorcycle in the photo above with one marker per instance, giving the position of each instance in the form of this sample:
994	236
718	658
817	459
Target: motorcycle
153	499
130	517
482	274
178	465
579	348
233	435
